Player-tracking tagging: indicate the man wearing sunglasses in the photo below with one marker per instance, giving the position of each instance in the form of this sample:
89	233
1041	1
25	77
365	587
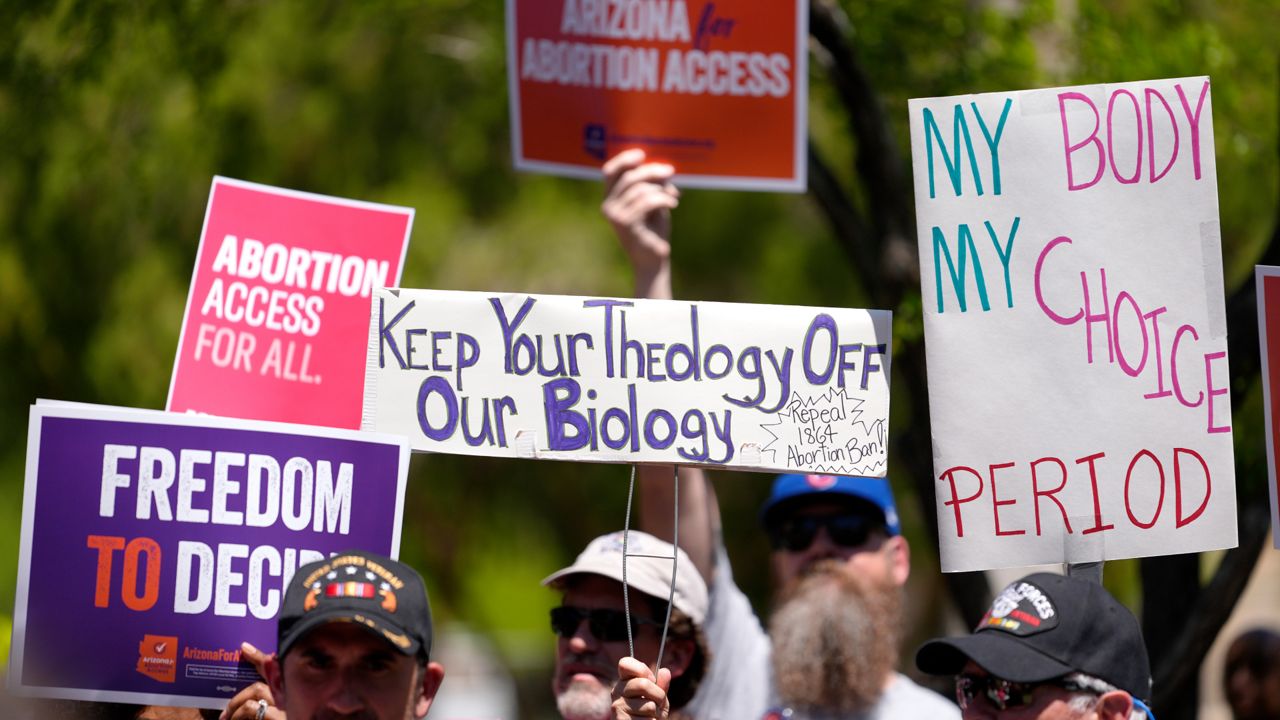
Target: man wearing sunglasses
1050	648
594	635
838	557
832	644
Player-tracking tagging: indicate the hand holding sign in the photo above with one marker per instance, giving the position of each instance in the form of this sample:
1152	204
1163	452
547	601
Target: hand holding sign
639	198
256	701
639	693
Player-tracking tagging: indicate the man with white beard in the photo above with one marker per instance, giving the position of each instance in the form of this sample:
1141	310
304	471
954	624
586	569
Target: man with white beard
839	559
591	622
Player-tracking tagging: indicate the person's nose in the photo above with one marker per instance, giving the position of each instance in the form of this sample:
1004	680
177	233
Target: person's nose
978	710
346	698
583	640
822	547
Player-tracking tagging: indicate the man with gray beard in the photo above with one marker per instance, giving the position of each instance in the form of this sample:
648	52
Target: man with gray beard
836	544
840	563
835	639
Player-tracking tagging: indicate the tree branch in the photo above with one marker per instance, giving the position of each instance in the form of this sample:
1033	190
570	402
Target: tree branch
878	162
1180	664
884	256
1216	601
847	224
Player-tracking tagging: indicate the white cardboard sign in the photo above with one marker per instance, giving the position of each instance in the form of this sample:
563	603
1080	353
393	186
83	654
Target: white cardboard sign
1074	320
759	387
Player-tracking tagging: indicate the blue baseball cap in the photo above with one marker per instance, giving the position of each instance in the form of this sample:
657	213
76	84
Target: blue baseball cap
790	491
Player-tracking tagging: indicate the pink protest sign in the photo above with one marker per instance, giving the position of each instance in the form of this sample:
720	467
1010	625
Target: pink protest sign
277	316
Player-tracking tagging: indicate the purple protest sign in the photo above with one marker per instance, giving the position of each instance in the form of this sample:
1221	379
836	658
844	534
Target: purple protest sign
154	543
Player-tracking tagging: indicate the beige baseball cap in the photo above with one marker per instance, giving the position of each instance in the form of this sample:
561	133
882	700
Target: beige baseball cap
648	570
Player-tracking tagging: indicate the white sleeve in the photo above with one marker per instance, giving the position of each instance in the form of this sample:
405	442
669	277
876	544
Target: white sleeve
905	699
739	682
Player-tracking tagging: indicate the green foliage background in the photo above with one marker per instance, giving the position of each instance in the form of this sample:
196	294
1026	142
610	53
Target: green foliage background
114	116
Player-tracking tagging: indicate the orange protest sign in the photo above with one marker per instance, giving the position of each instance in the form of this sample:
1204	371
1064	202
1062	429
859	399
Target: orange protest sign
717	89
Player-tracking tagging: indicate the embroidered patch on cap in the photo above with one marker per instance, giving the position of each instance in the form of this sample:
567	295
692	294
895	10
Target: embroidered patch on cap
1021	609
820	482
344	579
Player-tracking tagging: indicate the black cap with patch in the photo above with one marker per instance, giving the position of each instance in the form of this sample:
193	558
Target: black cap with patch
382	595
1045	626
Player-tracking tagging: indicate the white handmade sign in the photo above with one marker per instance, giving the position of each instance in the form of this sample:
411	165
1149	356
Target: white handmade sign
1074	323
569	378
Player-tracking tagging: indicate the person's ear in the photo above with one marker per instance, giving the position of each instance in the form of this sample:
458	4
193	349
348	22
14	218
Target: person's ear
272	670
678	655
898	555
1115	705
432	674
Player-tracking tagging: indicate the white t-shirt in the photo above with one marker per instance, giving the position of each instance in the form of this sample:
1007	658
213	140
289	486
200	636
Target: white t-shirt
739	683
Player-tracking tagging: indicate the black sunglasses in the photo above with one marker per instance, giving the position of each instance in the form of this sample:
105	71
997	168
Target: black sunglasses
796	533
606	625
1005	694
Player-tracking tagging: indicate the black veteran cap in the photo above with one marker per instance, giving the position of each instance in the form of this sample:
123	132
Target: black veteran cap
1045	626
385	596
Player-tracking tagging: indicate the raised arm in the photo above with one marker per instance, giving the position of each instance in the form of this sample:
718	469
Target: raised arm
639	198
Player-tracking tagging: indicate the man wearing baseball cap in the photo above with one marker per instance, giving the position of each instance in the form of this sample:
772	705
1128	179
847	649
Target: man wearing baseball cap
591	622
354	640
832	645
839	559
1050	647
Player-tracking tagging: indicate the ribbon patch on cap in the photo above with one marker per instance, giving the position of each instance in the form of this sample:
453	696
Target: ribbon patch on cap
1021	609
338	588
352	576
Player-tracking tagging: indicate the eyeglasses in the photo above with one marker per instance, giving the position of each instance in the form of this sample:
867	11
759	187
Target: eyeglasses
606	625
796	534
1005	694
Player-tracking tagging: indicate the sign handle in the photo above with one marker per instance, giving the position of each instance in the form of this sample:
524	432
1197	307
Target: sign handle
1087	570
674	558
626	592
